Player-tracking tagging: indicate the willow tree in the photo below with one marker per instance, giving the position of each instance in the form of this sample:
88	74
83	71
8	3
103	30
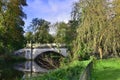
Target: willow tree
114	24
99	29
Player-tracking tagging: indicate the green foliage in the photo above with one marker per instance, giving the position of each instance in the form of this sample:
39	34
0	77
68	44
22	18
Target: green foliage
99	31
76	13
83	53
28	36
69	72
62	29
39	31
11	22
66	33
1	48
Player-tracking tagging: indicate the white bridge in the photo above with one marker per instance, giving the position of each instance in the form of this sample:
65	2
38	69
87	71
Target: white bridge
38	49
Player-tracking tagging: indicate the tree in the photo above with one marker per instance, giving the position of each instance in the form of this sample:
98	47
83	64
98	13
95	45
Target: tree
76	12
11	22
61	36
28	36
66	33
98	32
40	31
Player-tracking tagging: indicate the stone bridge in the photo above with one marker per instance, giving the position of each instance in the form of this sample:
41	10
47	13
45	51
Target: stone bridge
38	49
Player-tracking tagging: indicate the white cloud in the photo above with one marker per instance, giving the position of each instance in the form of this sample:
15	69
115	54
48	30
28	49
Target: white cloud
53	6
51	10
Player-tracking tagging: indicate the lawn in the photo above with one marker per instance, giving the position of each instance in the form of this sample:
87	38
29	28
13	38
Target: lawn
71	71
106	69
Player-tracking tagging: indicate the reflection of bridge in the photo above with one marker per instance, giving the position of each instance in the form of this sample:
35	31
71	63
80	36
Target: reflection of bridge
39	49
26	67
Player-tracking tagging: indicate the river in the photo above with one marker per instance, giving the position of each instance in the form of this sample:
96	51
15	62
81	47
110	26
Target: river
23	70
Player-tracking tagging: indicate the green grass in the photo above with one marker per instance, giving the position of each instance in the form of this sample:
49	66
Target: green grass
71	71
106	69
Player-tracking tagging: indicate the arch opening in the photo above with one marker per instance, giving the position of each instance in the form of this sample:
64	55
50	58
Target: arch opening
49	59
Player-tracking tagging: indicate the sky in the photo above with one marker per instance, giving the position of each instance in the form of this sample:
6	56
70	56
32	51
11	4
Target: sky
50	10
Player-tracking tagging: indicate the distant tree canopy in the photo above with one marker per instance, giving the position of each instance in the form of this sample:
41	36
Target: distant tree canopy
99	28
66	33
40	31
11	22
61	33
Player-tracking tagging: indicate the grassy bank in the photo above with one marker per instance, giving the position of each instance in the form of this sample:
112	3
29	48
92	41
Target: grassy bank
71	71
106	69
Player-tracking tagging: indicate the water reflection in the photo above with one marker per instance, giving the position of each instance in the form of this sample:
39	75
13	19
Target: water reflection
30	69
7	72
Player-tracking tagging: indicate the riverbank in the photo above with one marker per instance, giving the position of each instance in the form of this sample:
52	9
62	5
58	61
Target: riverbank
69	71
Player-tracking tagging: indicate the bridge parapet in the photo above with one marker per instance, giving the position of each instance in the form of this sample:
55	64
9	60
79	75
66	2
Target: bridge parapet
37	45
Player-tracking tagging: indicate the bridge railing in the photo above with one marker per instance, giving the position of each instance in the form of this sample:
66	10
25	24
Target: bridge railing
37	45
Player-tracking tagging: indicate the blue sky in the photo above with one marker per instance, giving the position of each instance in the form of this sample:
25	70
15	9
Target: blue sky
50	10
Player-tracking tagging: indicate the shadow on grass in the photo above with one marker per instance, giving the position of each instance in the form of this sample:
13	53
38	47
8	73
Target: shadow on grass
106	74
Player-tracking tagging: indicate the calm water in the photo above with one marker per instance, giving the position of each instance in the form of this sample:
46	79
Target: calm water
20	71
30	69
